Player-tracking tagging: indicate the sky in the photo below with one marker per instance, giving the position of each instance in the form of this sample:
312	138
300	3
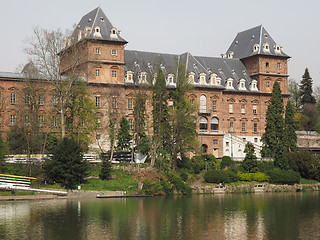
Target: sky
202	27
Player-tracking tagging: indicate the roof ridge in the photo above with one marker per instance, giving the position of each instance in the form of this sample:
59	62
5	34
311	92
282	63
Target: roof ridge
260	41
95	18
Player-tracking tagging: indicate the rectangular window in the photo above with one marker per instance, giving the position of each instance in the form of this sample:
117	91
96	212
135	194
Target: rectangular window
54	122
255	127
243	127
97	51
81	122
98	102
130	106
27	98
12	98
214	105
41	100
254	109
114	102
268	84
230	108
54	100
267	65
278	65
41	121
98	123
231	127
215	142
255	140
130	124
97	72
12	120
114	74
192	102
27	120
227	144
114	52
243	108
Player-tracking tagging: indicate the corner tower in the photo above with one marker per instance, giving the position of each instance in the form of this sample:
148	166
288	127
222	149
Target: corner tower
100	47
263	57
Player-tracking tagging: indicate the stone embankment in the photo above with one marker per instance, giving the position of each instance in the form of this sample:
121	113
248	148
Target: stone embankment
249	188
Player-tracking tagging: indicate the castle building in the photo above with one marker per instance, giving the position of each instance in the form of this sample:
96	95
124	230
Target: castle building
231	92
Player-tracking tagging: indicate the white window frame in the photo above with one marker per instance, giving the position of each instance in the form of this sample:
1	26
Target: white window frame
243	108
230	107
12	98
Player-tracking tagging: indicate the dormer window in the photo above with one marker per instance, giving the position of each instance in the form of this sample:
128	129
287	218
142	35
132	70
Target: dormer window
230	83
191	77
97	32
242	84
129	77
230	54
202	78
102	19
213	79
253	86
266	47
255	48
113	33
143	78
277	48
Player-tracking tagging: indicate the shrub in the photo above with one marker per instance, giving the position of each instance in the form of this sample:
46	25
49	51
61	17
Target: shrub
179	185
305	163
148	187
265	166
184	174
197	164
284	176
226	162
218	176
167	187
258	176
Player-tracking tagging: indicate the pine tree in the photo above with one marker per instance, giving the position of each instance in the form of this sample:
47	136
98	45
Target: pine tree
306	89
183	135
250	162
273	139
139	113
290	129
124	136
66	165
106	168
3	151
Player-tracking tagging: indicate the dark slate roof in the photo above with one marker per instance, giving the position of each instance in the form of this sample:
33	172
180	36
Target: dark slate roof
138	61
96	18
242	45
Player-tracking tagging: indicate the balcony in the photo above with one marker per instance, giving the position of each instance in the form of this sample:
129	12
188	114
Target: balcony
206	112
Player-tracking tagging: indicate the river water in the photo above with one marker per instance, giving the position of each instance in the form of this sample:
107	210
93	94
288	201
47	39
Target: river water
231	216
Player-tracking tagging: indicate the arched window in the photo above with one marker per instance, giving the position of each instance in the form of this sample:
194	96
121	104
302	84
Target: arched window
214	124
204	148
203	103
203	124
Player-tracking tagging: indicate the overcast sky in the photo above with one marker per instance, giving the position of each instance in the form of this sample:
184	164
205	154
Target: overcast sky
201	27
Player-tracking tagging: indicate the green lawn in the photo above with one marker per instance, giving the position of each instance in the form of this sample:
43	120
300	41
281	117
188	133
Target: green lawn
123	181
17	193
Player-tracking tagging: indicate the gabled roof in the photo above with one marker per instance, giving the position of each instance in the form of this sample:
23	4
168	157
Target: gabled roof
96	19
245	42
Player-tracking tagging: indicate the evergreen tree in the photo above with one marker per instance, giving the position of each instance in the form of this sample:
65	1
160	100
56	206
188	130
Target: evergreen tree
139	113
66	165
160	115
306	89
250	162
290	129
273	139
124	136
160	110
183	135
106	168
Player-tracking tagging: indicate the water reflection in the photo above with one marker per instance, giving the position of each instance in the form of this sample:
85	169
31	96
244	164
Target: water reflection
247	216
